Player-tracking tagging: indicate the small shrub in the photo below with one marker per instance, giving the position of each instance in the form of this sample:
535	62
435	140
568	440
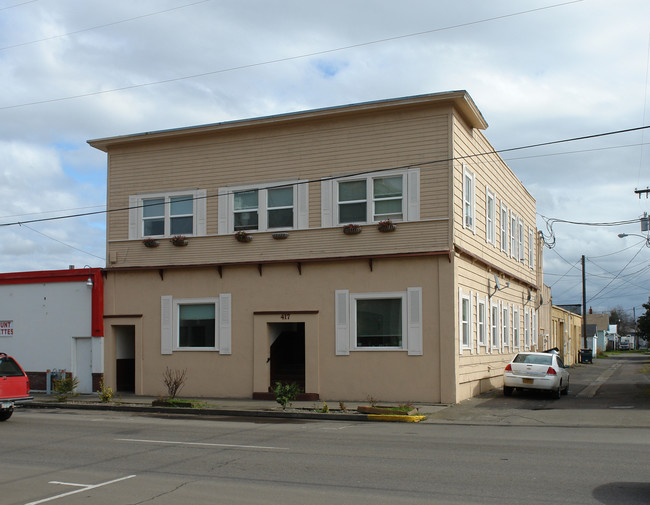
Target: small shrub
174	380
372	401
105	392
65	387
325	409
286	393
343	407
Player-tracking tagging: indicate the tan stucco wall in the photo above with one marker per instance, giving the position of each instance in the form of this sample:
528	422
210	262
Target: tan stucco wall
567	329
306	297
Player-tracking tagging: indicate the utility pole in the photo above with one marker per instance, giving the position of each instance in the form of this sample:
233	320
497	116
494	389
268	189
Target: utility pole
584	305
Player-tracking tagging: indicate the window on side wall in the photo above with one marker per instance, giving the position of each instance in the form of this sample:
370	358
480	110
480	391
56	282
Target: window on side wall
505	333
490	218
481	322
504	228
527	329
378	321
515	328
494	326
522	238
465	322
531	248
167	214
468	199
514	237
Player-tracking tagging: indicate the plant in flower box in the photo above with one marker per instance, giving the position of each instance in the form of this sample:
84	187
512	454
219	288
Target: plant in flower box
242	236
150	242
351	229
386	226
179	240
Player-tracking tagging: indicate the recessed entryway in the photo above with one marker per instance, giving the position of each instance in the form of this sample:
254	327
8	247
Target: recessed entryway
287	353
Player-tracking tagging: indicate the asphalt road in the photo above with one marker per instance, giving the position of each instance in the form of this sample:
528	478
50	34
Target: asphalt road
85	457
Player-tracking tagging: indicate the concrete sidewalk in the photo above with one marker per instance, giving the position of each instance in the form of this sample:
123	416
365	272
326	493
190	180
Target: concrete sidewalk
579	409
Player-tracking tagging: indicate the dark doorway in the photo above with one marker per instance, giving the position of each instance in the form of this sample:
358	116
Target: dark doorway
124	358
287	353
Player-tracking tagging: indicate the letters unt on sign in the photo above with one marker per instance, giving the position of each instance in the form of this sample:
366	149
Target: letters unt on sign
6	328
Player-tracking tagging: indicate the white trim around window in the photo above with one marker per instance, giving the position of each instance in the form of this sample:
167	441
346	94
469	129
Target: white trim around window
469	199
195	324
526	329
490	217
273	206
482	327
531	248
390	321
522	240
371	198
505	326
516	327
505	223
465	330
494	327
169	213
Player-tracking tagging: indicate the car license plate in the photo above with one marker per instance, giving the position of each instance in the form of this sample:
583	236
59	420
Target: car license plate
6	405
527	381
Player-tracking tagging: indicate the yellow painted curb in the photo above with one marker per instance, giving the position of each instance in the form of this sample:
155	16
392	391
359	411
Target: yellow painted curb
396	418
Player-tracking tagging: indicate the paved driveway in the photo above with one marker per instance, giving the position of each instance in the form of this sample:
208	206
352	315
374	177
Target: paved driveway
611	392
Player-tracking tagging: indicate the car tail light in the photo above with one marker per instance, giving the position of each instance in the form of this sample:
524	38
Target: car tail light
508	368
551	371
27	386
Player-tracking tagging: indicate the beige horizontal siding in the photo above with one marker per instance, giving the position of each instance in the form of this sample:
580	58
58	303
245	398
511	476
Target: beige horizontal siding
306	151
409	238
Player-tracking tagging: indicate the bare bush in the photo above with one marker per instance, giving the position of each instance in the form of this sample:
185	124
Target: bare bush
174	381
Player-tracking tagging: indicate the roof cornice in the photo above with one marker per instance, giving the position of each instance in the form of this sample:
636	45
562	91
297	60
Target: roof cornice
461	100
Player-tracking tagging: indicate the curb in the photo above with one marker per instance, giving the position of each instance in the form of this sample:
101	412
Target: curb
204	412
395	418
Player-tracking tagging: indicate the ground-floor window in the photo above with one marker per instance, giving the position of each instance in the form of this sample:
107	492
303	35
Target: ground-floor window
195	324
379	321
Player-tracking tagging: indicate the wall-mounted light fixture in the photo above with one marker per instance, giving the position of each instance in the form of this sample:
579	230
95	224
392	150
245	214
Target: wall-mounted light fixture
89	282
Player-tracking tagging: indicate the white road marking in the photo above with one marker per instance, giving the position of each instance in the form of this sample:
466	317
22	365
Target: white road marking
204	444
83	487
591	390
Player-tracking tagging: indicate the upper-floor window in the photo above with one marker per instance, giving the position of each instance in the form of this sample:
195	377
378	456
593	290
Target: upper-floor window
167	214
504	228
372	198
514	237
263	207
490	218
522	239
468	199
531	248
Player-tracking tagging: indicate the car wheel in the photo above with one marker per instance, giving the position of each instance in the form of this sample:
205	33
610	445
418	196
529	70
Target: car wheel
565	391
556	393
507	390
6	414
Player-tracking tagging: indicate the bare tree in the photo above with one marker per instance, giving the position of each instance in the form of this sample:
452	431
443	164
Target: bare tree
174	380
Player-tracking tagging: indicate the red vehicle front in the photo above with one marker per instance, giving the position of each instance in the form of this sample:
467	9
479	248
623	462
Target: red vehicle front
14	386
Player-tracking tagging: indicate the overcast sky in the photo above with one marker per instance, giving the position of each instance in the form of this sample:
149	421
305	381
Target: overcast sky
539	71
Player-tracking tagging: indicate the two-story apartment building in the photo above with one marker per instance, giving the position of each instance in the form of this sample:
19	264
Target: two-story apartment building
431	311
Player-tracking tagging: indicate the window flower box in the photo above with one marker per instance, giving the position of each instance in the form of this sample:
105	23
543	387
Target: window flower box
280	235
352	229
150	242
179	240
242	236
386	226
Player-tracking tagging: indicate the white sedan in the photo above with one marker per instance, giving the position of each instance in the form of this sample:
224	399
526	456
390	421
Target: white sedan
536	370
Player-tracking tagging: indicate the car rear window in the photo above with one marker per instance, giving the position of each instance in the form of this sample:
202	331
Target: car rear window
9	368
533	359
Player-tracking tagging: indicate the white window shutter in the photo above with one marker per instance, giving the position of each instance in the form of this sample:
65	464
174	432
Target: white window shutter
414	328
134	213
342	316
222	219
413	189
225	324
166	328
326	202
303	205
200	203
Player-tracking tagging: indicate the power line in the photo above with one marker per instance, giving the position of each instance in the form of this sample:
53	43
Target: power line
367	172
98	26
17	5
63	243
289	58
